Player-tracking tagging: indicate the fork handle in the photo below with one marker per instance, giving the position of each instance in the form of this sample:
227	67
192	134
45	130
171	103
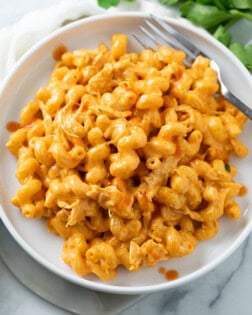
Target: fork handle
239	104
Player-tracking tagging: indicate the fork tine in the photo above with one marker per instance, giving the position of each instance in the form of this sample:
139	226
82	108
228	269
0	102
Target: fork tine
149	35
157	33
150	38
175	34
141	41
169	39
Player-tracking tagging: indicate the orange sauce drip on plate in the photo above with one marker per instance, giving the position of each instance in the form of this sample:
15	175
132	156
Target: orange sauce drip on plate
170	274
12	126
161	270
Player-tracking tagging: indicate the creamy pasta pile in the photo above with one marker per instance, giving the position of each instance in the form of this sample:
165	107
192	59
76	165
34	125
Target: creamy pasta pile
126	156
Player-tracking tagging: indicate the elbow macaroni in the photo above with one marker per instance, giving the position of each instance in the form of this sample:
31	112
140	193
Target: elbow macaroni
126	156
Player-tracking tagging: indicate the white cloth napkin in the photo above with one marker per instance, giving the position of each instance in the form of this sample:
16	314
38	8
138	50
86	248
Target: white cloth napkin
17	39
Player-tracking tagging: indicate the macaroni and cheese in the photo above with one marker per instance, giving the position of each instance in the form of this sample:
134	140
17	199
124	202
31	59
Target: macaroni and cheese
126	156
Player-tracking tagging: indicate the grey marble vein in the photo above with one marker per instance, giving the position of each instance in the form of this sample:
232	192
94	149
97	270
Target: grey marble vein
170	301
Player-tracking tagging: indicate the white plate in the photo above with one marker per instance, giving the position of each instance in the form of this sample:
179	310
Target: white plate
32	72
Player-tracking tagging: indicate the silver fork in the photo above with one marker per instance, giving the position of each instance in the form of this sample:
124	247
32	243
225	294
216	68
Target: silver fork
157	31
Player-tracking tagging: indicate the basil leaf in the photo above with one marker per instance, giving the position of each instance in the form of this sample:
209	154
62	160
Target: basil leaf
206	16
222	35
241	14
224	5
249	56
249	52
204	1
239	50
169	2
108	3
241	4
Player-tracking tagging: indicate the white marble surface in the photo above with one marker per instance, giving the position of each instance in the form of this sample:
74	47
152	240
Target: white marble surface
225	291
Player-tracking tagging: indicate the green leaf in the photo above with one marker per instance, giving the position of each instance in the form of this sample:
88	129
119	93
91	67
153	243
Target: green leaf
241	4
111	3
204	1
206	16
223	35
241	14
249	52
169	2
108	3
249	56
239	50
223	5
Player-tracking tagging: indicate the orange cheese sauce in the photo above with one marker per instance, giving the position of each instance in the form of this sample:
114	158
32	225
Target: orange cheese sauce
59	51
